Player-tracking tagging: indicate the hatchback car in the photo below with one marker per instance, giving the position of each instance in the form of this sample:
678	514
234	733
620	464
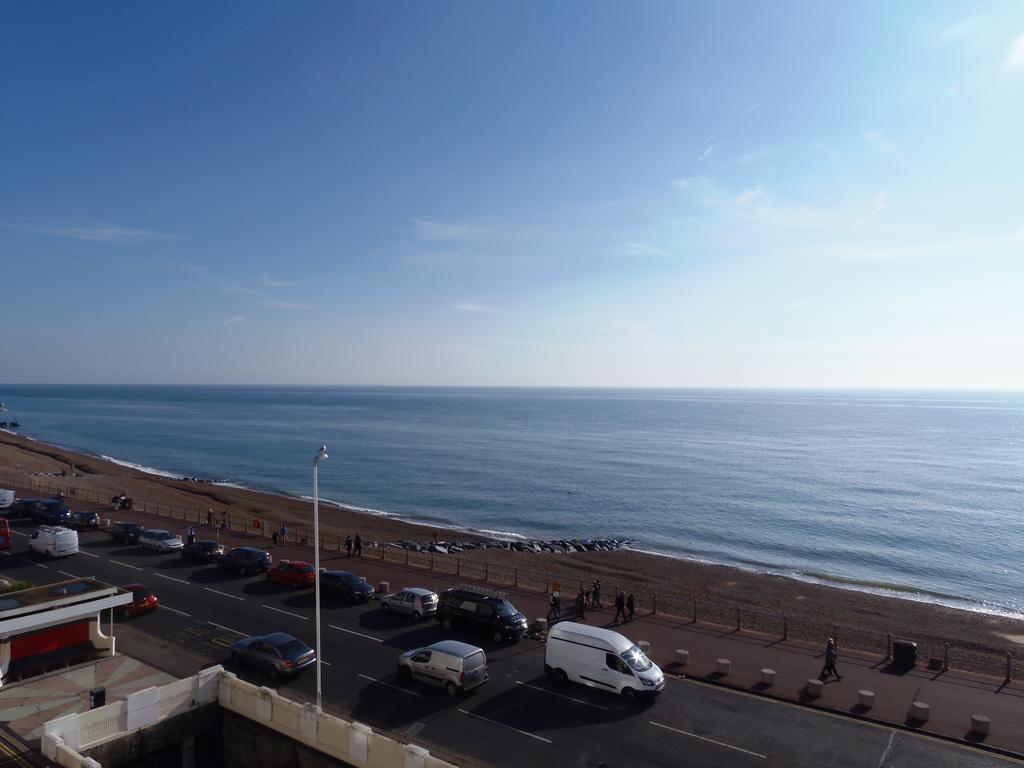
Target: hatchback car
160	540
412	601
84	521
449	664
246	560
144	600
278	654
346	585
202	551
292	573
126	533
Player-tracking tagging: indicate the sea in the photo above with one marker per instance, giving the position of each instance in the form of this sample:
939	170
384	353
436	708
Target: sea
919	494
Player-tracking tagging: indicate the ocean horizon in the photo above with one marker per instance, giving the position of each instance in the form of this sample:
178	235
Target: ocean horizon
916	493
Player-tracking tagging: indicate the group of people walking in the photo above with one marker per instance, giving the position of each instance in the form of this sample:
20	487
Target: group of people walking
625	605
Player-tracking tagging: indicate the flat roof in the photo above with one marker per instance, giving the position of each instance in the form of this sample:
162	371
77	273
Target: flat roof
61	593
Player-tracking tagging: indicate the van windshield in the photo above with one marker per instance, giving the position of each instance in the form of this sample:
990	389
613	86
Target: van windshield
504	608
636	659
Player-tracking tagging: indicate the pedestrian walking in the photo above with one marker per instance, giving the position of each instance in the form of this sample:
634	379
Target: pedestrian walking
348	545
191	535
620	606
209	518
284	533
273	538
581	604
595	602
358	546
831	654
555	605
630	607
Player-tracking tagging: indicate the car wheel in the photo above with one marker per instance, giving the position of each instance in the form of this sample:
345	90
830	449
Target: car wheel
385	607
244	571
561	677
446	625
628	694
451	689
498	636
417	616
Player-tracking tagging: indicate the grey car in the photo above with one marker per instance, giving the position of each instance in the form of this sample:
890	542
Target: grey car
277	654
449	664
412	601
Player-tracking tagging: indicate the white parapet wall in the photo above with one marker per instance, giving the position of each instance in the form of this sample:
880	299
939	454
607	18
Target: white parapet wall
64	738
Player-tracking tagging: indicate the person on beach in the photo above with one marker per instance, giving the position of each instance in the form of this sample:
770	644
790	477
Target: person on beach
358	548
555	609
209	517
831	654
273	538
630	607
620	606
581	604
284	533
348	545
595	602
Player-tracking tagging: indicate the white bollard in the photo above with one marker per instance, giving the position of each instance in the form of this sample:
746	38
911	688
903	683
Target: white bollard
866	698
767	676
724	666
540	625
979	725
682	657
920	711
815	687
644	646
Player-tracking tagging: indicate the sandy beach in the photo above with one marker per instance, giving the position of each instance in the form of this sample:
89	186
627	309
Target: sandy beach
719	594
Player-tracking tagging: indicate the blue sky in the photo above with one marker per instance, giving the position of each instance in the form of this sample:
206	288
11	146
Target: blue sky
667	194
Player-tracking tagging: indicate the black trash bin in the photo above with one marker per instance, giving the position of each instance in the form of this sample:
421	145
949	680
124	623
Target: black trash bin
904	653
97	697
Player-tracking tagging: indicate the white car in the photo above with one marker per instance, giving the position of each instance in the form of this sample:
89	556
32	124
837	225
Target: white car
160	540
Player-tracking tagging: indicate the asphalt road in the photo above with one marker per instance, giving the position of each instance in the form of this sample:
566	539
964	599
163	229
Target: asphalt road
517	719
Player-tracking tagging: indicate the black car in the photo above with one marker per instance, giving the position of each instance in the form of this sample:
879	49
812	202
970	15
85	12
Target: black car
202	551
84	521
246	560
346	585
480	609
126	533
41	511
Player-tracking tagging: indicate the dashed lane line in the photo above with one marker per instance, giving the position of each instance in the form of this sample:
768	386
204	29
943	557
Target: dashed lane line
175	610
126	565
69	574
224	594
389	685
710	741
19	533
357	634
89	554
503	725
171	578
226	629
562	695
287	613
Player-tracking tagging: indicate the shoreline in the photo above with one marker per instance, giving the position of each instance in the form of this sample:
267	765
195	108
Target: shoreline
813	609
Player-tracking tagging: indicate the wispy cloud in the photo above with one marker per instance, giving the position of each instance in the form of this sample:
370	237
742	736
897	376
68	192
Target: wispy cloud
748	196
644	249
826	150
468	307
1015	56
960	29
881	202
691	182
287	305
754	156
268	281
96	233
754	107
236	320
877	139
434	231
709	150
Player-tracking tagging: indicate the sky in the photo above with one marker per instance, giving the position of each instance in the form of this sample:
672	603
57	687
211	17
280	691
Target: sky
649	194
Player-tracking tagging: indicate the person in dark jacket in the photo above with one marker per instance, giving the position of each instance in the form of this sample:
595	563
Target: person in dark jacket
348	545
831	654
358	545
620	606
581	604
630	607
595	595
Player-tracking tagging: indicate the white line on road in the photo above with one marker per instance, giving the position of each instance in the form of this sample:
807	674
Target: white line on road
39	564
495	722
175	610
389	685
325	663
171	578
19	533
225	594
711	741
69	574
888	749
133	567
287	613
226	629
83	552
357	634
562	695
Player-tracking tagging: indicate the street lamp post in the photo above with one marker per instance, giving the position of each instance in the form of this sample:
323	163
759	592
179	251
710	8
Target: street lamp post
320	456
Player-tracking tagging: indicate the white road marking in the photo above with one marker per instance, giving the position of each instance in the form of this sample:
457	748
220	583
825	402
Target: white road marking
389	685
357	634
495	722
710	741
226	629
19	533
83	552
39	564
69	574
287	613
171	578
175	610
225	594
325	663
562	695
133	567
888	749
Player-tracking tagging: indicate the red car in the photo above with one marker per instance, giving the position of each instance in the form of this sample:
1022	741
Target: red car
144	600
292	573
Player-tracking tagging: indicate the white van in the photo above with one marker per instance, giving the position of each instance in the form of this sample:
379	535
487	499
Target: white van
6	498
54	541
601	659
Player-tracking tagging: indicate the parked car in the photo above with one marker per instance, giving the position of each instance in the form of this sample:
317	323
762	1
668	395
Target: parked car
84	521
600	658
160	540
449	664
412	601
278	654
39	510
482	610
203	551
246	560
144	600
292	573
346	585
126	533
6	498
53	541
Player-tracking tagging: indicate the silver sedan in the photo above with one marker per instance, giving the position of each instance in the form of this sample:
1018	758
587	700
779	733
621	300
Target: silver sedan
412	601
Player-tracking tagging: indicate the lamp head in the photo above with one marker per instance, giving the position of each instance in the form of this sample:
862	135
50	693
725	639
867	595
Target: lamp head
320	455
